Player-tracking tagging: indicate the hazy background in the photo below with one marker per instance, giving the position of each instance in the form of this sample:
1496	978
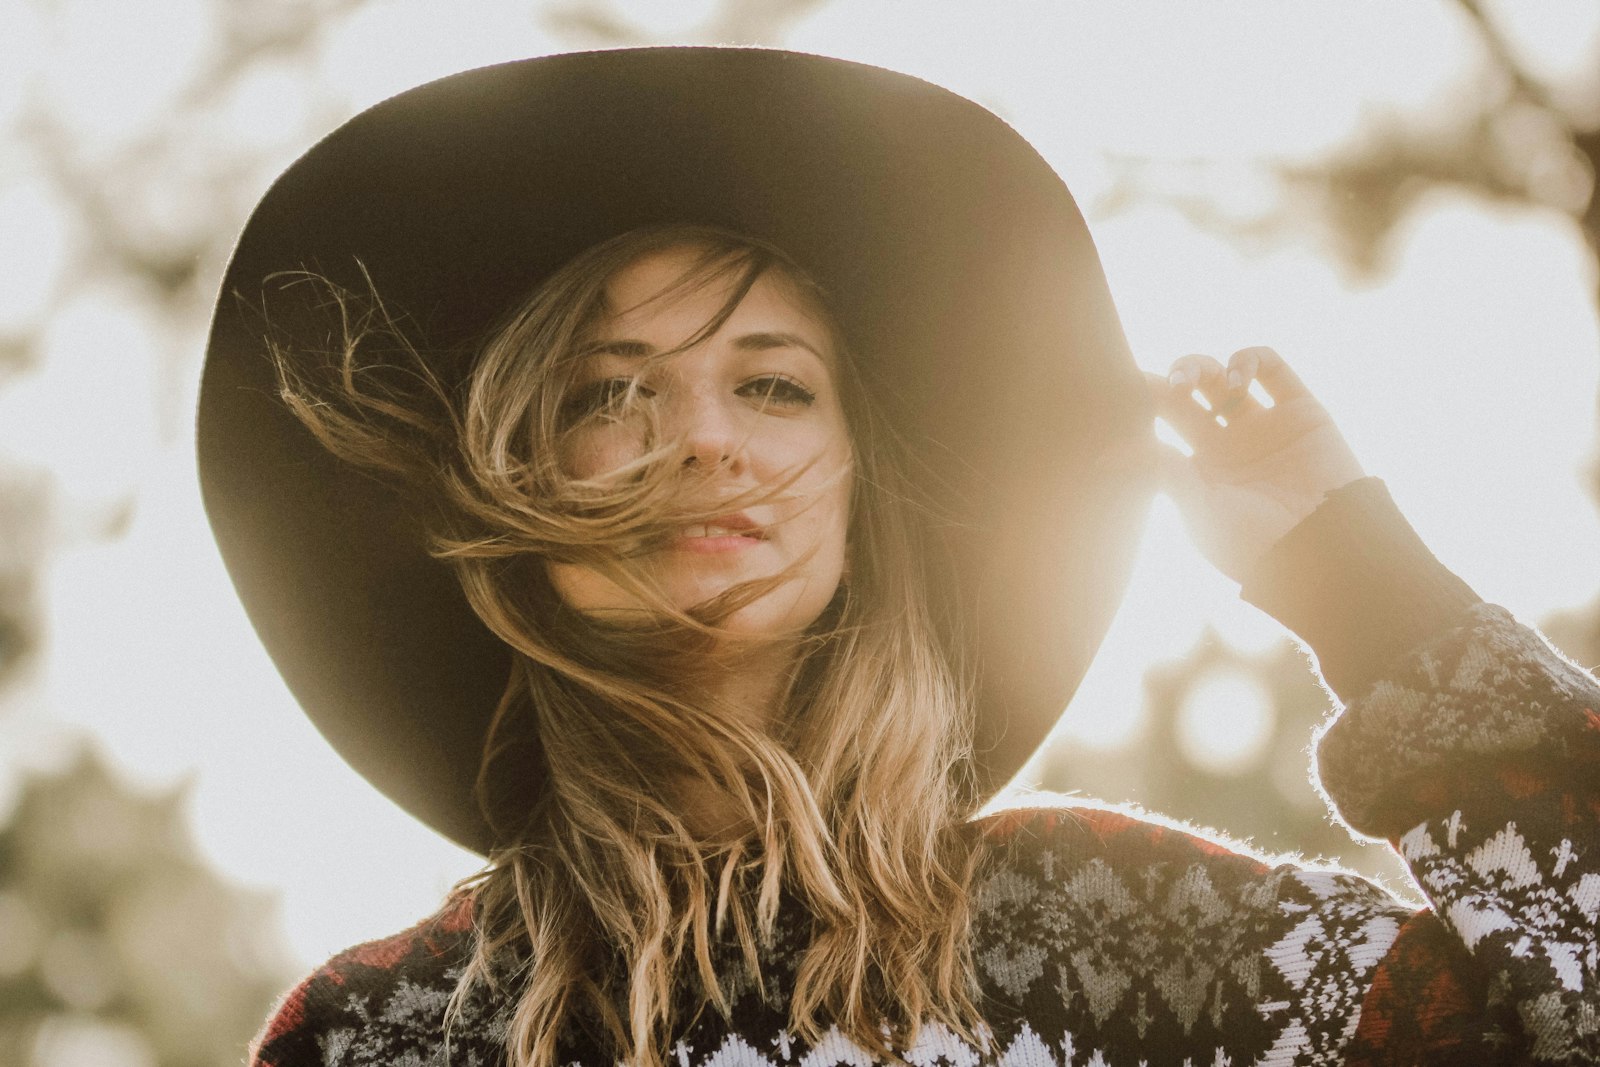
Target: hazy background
1399	197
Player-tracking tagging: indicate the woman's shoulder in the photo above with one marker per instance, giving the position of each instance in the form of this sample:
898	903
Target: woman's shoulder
1065	854
1060	824
391	991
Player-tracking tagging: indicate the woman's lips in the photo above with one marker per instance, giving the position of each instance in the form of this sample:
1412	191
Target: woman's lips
727	533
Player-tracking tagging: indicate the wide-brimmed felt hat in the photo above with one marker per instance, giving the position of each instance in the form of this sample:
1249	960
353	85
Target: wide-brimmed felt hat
959	267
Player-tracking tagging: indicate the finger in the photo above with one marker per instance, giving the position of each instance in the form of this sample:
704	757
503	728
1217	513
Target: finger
1177	406
1267	367
1238	404
1213	388
1236	401
1198	374
1221	402
1216	396
1218	400
1194	371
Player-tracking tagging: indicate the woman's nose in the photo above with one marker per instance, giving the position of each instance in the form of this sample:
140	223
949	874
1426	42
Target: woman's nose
707	429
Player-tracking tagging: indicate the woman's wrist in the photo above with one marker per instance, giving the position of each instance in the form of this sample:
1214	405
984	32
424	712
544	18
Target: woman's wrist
1357	584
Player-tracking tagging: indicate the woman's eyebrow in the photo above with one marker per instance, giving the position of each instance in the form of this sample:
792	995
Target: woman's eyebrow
758	342
750	342
617	347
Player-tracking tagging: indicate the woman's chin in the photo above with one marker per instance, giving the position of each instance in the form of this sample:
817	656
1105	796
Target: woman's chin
782	614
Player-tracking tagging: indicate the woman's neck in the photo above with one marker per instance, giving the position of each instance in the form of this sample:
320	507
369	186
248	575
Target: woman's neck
749	685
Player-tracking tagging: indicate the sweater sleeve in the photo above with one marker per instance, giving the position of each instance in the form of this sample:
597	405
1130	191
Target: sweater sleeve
1471	744
1357	584
383	1002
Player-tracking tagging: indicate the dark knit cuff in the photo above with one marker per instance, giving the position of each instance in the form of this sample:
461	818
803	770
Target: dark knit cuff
1355	583
1484	696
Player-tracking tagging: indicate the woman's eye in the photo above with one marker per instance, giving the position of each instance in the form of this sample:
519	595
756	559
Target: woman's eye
604	396
778	389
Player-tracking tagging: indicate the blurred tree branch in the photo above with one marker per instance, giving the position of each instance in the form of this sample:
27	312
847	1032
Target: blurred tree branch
108	193
156	211
1518	146
1517	143
1522	146
119	936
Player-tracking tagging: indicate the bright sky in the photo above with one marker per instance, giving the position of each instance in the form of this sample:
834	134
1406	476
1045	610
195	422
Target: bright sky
1466	377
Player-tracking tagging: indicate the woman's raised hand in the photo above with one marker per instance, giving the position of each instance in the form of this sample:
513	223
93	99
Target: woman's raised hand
1256	470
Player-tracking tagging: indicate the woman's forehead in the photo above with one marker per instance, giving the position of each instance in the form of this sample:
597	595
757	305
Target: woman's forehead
677	290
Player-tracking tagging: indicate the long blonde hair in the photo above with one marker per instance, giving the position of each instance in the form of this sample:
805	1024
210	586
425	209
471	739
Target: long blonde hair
853	802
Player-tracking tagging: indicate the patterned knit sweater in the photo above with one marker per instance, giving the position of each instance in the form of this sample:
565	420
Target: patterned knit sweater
1461	737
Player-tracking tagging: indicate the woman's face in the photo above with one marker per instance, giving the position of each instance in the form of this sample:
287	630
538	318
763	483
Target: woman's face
750	405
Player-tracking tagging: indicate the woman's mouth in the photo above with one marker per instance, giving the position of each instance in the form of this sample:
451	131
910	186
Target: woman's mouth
729	533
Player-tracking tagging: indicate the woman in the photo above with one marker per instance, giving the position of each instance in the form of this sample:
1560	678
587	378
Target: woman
784	457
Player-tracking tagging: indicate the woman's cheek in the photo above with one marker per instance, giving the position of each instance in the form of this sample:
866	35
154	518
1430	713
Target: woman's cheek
585	590
590	453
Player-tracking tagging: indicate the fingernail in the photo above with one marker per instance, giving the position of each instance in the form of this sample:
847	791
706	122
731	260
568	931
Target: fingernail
1179	380
1235	379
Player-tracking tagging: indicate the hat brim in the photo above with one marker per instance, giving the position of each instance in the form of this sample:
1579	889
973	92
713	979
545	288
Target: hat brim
957	262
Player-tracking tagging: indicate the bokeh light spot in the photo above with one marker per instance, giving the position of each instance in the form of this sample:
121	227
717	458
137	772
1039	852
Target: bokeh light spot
267	105
1225	722
34	241
73	1041
114	69
78	967
88	412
